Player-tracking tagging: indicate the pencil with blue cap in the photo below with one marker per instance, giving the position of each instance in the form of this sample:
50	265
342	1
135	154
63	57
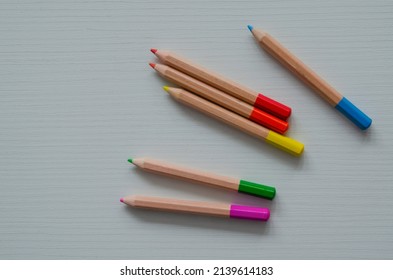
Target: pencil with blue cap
309	77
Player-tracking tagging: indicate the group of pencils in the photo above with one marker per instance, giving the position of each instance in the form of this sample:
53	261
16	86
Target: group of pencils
227	101
243	108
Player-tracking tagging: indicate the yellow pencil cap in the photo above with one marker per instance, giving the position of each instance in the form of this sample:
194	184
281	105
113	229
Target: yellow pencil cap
285	143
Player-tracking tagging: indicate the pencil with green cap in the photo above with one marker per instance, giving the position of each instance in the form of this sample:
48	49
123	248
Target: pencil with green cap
208	178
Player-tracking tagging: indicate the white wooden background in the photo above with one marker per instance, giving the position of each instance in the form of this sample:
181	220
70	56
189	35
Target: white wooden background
77	98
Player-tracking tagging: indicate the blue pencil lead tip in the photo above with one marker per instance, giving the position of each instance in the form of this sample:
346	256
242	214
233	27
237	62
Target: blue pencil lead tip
250	27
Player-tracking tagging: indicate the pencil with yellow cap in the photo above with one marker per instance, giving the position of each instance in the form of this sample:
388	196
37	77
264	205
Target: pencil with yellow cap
282	142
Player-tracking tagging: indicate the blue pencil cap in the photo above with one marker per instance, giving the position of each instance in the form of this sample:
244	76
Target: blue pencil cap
354	114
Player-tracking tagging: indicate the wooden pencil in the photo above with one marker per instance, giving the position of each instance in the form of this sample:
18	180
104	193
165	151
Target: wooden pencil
197	207
230	87
230	183
282	142
221	98
310	78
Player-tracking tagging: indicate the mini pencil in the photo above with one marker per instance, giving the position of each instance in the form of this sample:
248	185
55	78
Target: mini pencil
213	79
309	77
282	142
221	98
197	207
239	185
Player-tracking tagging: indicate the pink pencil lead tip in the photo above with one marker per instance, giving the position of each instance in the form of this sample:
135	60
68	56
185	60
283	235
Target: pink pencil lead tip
153	50
121	200
152	65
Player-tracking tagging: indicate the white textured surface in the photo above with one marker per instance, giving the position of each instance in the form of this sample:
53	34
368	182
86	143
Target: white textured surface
77	98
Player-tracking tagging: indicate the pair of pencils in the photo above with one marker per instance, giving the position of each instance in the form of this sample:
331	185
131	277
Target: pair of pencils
310	78
240	114
221	98
208	178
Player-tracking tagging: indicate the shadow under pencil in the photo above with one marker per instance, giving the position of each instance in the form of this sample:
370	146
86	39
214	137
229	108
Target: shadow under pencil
184	220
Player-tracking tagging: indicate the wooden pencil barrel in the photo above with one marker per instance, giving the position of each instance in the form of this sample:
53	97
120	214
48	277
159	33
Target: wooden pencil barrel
190	174
220	113
301	70
177	205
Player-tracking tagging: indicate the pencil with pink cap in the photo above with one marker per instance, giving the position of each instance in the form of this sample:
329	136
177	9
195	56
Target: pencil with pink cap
198	207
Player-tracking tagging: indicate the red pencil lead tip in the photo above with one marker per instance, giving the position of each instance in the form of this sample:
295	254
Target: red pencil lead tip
153	50
152	65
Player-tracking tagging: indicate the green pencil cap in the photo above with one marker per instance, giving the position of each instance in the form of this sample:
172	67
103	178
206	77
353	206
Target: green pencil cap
256	189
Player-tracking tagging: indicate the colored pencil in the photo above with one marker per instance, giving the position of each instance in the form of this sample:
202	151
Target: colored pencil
309	77
197	207
221	98
282	142
234	184
230	87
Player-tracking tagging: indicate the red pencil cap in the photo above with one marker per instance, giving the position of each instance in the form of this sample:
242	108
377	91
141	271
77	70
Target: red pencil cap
273	107
268	121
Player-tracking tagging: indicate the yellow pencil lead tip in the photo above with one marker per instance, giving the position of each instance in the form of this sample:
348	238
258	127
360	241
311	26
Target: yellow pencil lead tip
166	88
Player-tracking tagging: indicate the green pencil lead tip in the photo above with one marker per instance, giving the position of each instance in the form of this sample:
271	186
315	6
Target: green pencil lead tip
130	160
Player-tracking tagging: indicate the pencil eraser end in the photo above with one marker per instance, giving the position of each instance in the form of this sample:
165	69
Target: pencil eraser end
249	212
285	143
256	189
354	114
272	107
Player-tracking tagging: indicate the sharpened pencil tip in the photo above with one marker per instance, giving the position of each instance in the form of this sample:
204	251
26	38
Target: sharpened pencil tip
153	50
166	88
121	200
250	27
130	160
153	65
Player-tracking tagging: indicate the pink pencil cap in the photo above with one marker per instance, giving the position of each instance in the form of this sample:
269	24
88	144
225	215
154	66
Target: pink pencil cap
249	212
